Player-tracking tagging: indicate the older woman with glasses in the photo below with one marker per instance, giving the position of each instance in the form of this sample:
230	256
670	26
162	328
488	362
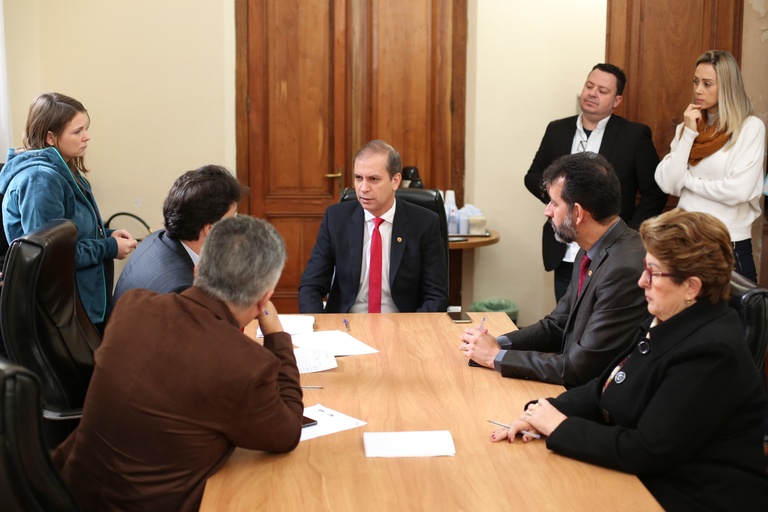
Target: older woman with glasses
682	409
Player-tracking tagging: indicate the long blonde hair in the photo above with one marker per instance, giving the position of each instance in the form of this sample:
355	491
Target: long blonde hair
733	103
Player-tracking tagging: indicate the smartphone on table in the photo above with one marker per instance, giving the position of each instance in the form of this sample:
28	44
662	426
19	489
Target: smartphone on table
307	422
459	317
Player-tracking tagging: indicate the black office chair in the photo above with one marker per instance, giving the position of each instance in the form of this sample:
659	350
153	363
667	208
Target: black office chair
426	198
751	302
28	480
44	325
138	227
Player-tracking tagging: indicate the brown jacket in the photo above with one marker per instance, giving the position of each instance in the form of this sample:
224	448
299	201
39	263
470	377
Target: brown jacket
176	387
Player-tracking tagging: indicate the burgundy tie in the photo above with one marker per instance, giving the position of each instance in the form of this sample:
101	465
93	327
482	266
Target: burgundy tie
585	261
374	273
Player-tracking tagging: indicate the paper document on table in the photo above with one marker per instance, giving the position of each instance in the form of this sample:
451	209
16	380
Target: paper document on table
293	324
432	443
328	422
337	343
309	360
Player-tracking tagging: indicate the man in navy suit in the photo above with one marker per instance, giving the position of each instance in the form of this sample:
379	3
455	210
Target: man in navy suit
164	261
413	269
626	145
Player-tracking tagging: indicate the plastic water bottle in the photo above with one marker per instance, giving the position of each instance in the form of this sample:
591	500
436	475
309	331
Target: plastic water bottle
451	212
463	222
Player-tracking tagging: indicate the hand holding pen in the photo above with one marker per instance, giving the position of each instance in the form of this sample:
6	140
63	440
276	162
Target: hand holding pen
508	431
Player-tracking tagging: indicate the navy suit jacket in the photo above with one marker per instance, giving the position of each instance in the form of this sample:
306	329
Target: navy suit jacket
418	277
586	331
160	264
628	147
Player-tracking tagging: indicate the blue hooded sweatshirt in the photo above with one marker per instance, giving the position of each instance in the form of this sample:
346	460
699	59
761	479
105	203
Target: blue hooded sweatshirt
38	187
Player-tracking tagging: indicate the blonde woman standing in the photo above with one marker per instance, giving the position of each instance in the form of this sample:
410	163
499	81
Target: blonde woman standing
715	163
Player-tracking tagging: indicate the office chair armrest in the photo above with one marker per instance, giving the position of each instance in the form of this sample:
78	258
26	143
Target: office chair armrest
66	414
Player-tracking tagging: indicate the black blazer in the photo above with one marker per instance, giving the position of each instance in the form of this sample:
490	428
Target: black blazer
160	264
628	147
686	418
418	276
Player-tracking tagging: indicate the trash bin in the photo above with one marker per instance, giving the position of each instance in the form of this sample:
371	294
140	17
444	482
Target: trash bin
504	305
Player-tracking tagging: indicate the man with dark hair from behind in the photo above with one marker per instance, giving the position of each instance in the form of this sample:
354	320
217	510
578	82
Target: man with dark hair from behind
177	385
597	318
164	261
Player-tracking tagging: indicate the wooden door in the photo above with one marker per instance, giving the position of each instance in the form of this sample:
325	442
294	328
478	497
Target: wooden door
291	119
317	79
657	43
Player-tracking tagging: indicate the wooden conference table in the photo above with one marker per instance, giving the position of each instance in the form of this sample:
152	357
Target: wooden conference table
419	381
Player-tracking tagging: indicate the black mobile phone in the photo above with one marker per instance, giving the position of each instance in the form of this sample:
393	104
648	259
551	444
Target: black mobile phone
307	422
459	317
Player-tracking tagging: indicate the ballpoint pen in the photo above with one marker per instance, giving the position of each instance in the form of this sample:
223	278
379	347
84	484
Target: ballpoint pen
346	324
311	387
521	432
482	322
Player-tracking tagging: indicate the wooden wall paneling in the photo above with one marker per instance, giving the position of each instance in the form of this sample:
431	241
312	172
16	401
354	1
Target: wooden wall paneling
657	49
458	96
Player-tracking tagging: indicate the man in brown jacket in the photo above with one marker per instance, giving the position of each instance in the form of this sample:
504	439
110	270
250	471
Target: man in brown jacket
177	385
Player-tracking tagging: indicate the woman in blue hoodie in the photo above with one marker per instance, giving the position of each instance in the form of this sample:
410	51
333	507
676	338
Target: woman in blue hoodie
44	181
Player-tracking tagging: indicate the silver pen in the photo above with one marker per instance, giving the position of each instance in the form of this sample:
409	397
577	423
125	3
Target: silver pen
521	432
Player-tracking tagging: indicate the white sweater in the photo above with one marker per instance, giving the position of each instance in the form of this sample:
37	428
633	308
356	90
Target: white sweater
727	184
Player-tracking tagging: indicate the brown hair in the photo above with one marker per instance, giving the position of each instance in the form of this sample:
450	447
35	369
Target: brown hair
379	147
51	112
692	244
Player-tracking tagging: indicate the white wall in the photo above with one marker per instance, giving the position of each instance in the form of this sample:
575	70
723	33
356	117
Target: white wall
525	67
157	77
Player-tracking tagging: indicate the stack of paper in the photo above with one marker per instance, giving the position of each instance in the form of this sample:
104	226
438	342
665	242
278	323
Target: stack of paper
409	444
328	422
337	343
294	324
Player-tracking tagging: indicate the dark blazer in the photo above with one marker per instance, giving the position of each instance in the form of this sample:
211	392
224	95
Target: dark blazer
418	277
686	418
160	264
584	333
175	389
628	147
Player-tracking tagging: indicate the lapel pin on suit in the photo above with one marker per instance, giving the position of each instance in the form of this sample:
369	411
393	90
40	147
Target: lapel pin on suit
399	239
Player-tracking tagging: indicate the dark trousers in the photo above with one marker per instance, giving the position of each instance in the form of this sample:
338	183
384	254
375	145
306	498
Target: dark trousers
562	279
744	264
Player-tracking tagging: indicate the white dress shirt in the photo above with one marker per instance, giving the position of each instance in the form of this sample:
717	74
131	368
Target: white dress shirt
385	229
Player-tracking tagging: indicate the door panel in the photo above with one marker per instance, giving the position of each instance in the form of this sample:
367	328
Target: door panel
295	62
657	42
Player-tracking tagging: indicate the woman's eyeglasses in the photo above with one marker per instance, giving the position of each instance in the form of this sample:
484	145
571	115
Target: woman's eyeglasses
650	274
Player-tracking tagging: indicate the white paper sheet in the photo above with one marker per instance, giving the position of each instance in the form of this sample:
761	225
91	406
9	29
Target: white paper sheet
431	443
328	422
293	324
337	343
309	360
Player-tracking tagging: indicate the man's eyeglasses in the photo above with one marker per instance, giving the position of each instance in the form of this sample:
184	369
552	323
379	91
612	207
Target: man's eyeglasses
650	274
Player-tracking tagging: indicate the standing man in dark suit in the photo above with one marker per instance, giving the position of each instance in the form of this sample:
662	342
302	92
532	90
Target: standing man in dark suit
597	318
628	147
164	262
412	273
